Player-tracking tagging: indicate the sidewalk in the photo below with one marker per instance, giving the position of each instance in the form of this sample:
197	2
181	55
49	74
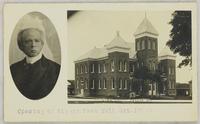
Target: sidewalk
109	100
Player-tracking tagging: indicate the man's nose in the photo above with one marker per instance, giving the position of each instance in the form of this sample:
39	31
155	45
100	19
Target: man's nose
33	43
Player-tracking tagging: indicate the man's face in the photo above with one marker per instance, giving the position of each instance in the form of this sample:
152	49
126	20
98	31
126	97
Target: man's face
32	42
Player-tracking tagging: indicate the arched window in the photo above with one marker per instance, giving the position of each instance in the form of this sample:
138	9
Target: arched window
104	67
112	66
113	83
133	68
143	44
125	66
99	83
169	70
85	68
170	84
149	44
99	68
92	87
120	65
173	70
86	84
125	84
81	69
163	69
104	84
92	68
142	64
77	70
120	84
153	45
77	83
150	66
153	67
138	45
138	65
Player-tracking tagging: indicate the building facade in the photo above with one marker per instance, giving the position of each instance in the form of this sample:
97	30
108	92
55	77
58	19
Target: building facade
110	71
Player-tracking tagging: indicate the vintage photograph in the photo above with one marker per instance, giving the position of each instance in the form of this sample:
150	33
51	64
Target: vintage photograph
129	56
34	56
100	62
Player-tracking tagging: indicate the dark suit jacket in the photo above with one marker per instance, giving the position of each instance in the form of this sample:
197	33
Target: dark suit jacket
36	80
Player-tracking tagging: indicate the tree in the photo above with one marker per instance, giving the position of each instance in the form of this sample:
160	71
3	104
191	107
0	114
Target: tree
180	36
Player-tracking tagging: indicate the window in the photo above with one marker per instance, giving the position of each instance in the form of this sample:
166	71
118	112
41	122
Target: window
113	83
92	69
99	83
143	44
138	46
153	45
125	84
120	84
150	66
163	69
149	44
169	70
153	86
92	87
125	66
85	69
112	66
133	68
81	69
141	88
86	84
104	67
104	84
172	70
99	68
77	83
142	64
150	86
170	84
77	70
153	67
120	65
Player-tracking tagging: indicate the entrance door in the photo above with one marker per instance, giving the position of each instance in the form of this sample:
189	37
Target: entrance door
82	92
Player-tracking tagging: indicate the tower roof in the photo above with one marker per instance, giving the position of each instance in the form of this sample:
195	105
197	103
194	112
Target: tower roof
166	53
146	27
118	42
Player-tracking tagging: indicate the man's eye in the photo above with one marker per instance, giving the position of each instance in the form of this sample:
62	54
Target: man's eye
37	40
28	41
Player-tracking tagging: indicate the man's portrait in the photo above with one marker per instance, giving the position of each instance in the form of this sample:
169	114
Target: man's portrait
36	73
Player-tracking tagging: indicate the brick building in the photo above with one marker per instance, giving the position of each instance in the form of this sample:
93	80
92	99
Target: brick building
109	71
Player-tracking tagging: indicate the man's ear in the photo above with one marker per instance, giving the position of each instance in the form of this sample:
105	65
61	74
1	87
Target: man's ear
20	45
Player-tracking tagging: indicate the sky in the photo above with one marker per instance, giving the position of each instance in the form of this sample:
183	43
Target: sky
89	29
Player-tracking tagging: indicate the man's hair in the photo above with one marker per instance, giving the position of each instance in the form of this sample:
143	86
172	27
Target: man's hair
20	36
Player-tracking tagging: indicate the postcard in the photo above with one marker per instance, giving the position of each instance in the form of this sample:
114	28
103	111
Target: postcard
100	62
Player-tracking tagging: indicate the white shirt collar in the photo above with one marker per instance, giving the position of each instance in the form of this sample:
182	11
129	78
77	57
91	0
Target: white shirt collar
31	60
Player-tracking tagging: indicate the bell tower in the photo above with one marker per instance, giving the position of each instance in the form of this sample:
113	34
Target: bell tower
146	44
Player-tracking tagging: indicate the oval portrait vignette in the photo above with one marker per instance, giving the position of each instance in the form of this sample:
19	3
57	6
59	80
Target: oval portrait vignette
34	55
